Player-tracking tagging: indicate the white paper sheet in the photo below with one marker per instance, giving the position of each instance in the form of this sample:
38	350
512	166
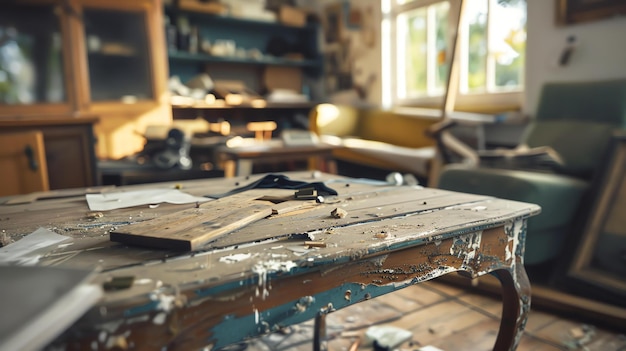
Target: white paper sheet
112	201
26	251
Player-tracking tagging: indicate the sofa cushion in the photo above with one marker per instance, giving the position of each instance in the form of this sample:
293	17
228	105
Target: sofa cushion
377	138
335	120
397	129
382	155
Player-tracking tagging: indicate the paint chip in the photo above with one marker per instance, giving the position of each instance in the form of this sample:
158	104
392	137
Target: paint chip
235	258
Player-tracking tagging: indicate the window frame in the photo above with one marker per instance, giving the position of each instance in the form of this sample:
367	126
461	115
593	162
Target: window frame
490	100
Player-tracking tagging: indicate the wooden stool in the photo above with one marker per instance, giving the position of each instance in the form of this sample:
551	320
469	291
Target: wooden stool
262	130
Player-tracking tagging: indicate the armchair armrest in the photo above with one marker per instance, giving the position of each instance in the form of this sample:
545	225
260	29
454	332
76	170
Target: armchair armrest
523	157
448	142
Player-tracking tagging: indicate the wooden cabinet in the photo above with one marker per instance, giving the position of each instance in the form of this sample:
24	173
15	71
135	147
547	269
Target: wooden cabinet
69	152
23	163
84	57
119	54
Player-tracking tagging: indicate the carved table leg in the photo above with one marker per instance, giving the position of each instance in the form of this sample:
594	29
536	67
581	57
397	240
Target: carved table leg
515	306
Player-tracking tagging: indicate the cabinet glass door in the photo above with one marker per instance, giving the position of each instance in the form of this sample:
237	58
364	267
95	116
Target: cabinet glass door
118	55
31	55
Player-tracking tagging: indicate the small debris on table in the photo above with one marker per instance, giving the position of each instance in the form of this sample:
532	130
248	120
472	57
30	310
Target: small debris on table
94	215
381	235
306	194
315	244
339	213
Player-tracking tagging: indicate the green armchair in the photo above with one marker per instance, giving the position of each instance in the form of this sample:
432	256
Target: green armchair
574	119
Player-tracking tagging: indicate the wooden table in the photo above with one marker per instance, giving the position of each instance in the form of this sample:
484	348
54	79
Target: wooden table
264	276
239	160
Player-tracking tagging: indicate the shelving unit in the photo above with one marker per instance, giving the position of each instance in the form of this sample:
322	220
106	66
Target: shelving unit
248	35
265	61
302	56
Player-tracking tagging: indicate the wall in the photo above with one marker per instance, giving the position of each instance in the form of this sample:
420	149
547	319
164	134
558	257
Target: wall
600	53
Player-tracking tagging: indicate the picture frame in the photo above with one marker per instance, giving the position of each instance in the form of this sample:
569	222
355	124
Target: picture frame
333	23
597	267
576	11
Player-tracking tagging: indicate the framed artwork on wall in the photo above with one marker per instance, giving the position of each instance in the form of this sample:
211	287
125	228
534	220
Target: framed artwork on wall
597	266
332	23
575	11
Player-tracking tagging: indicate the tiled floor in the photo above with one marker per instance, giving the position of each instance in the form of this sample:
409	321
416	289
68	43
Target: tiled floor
445	317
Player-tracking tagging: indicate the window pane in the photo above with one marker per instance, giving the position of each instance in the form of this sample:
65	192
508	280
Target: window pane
117	55
476	13
441	43
509	43
412	49
31	62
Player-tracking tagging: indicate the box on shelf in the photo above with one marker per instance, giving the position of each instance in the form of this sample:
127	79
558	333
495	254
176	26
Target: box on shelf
276	77
250	9
292	16
213	7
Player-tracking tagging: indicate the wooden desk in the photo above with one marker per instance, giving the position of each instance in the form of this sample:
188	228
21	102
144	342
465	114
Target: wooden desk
239	160
128	173
391	237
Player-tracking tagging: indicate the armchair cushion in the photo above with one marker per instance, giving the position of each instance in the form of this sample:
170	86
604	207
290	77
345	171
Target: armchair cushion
558	195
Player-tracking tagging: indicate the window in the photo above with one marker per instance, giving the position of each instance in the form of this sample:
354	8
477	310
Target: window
416	42
31	59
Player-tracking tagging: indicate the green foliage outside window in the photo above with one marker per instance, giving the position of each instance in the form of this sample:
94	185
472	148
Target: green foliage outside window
416	51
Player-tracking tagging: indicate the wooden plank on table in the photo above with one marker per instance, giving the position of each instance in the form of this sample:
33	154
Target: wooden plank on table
191	228
187	230
365	207
292	206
